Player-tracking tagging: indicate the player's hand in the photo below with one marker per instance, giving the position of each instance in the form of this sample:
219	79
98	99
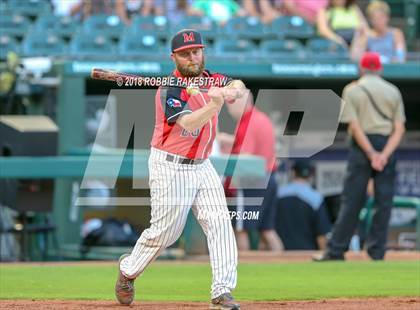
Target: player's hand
231	94
238	84
216	96
235	90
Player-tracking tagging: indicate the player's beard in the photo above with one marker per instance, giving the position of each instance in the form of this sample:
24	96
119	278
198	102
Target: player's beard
191	70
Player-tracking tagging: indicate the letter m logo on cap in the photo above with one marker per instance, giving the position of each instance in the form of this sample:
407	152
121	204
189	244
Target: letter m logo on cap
188	37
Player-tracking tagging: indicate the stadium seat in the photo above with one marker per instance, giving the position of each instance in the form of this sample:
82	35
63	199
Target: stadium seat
234	48
247	27
30	8
154	25
108	25
85	45
61	25
202	24
139	45
8	43
16	25
43	44
292	27
4	8
286	48
320	48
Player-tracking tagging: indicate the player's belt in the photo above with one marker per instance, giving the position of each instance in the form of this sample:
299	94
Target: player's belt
184	161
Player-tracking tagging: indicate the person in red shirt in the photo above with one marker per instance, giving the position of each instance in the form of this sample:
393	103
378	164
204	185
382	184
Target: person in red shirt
181	177
254	135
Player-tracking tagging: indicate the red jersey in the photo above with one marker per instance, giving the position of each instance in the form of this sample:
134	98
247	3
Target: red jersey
170	104
254	135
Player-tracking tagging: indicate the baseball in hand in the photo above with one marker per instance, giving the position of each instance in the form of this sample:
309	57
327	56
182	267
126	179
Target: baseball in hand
234	90
231	94
192	90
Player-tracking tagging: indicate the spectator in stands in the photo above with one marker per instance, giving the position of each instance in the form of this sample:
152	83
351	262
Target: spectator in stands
302	221
374	112
340	20
265	10
8	79
254	135
304	8
218	10
125	9
96	7
389	42
67	8
174	10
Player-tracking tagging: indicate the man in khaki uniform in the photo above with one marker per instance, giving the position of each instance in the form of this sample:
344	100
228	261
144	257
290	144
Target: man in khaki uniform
375	115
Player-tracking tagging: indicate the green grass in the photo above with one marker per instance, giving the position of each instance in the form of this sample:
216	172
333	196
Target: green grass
191	282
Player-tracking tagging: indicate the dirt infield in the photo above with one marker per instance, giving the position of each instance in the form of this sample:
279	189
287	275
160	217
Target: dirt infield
329	304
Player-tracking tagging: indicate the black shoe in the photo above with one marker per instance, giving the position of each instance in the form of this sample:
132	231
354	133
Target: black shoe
376	258
326	257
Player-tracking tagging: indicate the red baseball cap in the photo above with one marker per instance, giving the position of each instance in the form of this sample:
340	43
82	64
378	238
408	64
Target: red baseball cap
371	61
186	38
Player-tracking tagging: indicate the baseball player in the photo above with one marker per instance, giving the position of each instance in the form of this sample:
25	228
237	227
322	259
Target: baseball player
182	177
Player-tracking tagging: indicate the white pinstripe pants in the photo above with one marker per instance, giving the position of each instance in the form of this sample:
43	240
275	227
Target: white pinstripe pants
174	189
